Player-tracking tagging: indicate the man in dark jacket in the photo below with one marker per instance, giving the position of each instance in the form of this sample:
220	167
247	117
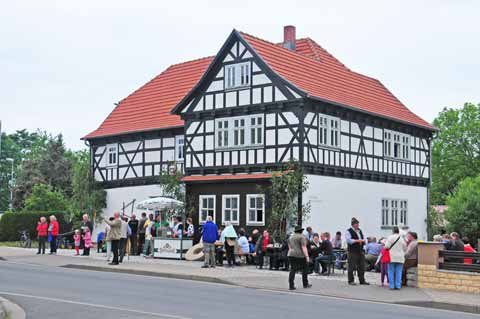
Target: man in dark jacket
209	237
141	232
356	255
325	255
133	223
455	244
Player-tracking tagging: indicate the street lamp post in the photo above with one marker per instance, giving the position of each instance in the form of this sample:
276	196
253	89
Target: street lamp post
11	182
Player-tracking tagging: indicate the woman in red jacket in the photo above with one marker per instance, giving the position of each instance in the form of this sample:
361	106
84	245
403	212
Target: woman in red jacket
42	229
53	231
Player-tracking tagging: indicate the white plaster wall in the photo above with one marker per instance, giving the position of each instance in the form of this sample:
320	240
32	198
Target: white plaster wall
334	201
117	196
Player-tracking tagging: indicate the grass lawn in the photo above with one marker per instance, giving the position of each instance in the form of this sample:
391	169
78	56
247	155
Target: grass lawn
16	244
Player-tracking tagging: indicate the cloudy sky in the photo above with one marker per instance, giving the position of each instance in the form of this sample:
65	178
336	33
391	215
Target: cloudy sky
64	63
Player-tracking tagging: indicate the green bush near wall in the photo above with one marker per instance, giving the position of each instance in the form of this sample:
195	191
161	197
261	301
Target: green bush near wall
12	223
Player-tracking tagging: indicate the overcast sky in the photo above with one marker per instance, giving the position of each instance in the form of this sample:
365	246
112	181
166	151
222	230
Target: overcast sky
64	63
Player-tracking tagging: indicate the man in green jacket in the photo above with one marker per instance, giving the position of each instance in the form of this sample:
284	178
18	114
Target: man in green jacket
114	235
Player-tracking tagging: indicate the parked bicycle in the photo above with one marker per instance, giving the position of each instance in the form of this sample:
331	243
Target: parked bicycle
25	241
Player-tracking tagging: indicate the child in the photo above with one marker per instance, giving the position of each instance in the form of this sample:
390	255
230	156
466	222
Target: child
76	240
384	260
87	241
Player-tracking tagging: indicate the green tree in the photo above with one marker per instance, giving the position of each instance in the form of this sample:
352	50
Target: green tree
283	194
463	213
43	198
51	165
455	151
88	196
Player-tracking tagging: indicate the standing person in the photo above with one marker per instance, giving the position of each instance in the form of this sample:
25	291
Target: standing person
87	241
148	226
108	240
141	233
177	228
356	254
298	258
396	247
114	235
383	260
209	237
308	233
261	248
410	255
86	223
42	232
53	232
133	223
123	237
76	241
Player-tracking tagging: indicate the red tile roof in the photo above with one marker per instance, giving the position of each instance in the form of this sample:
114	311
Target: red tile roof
149	107
321	75
195	178
311	68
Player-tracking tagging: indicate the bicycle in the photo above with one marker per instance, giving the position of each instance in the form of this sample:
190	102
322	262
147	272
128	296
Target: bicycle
25	241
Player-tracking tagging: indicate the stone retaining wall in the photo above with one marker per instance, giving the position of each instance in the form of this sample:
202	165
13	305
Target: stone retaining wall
430	277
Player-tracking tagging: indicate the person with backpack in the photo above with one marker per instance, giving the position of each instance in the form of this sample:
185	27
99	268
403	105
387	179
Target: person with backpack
396	247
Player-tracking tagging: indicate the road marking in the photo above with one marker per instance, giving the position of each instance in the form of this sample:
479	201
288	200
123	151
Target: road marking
93	305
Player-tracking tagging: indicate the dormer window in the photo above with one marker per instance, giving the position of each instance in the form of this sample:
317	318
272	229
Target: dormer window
237	75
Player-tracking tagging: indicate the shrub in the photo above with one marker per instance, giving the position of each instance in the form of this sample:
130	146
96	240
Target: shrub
11	223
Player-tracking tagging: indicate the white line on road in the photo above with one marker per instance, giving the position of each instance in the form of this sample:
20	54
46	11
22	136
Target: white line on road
93	305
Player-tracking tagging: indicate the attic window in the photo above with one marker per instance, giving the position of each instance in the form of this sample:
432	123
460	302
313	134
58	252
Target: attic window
237	75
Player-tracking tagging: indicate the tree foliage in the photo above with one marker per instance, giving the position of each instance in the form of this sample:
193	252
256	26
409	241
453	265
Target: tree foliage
88	196
463	213
43	198
455	151
283	196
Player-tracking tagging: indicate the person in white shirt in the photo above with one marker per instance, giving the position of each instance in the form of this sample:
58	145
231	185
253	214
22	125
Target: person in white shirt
396	246
190	232
123	237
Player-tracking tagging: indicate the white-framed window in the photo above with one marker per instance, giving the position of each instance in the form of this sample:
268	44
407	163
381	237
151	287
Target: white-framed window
179	148
237	75
206	208
256	130
396	145
239	131
329	131
256	209
230	209
112	155
394	212
222	133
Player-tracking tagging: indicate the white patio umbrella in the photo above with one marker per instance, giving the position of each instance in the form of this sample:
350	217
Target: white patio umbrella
159	203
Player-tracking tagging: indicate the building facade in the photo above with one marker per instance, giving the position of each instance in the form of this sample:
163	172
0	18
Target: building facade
253	107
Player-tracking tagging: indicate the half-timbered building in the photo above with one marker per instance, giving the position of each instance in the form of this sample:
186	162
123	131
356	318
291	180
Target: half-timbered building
227	121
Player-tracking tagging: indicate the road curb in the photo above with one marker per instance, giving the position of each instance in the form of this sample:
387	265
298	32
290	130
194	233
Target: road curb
150	273
10	310
443	306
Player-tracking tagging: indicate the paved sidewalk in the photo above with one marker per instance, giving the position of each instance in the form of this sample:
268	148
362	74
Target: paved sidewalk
248	276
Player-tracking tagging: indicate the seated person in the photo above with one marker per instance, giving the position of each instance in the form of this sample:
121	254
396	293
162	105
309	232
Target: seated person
372	250
243	245
313	247
325	255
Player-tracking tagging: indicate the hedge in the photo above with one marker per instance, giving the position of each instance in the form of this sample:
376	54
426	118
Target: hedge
11	223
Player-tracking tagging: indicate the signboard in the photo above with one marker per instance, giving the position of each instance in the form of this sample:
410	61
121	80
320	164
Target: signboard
171	248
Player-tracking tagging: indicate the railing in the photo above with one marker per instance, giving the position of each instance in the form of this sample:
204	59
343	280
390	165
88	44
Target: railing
459	261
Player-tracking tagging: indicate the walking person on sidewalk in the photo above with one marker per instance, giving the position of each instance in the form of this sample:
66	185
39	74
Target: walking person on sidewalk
114	235
42	232
396	247
356	255
53	232
209	237
298	258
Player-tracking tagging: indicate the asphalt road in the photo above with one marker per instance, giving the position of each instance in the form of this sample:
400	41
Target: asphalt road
50	292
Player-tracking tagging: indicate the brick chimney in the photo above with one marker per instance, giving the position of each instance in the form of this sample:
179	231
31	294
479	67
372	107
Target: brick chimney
289	37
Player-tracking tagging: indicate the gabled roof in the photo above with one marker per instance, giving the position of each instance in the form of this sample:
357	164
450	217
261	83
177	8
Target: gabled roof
148	108
324	77
310	68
